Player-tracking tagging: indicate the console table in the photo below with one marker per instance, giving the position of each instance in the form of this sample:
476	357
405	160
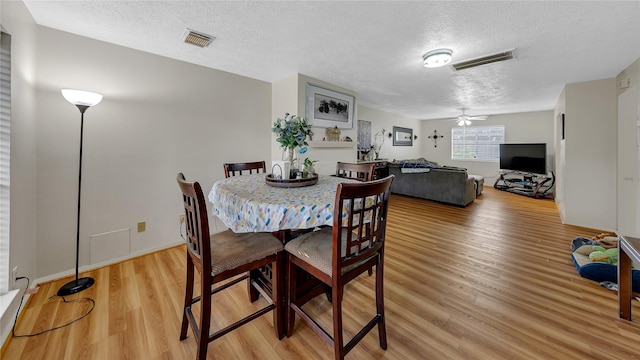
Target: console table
381	169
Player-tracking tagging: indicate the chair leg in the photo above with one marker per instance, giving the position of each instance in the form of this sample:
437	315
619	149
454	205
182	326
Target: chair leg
370	271
327	292
205	318
278	294
338	339
382	328
188	296
291	295
253	293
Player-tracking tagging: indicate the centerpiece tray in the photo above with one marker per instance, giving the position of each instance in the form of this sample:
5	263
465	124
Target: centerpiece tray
290	183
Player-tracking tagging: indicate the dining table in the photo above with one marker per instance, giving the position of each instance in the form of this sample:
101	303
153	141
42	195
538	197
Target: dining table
248	204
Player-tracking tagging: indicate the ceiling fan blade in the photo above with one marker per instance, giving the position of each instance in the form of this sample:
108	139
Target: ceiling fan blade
479	117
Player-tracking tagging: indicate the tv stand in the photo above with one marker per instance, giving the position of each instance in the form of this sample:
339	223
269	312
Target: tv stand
527	184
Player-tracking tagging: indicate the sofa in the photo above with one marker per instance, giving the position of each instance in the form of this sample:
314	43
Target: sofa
427	180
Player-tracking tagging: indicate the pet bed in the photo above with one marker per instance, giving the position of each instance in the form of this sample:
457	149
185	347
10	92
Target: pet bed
600	271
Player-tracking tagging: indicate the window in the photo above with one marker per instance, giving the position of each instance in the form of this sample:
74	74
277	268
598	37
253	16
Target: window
5	132
476	142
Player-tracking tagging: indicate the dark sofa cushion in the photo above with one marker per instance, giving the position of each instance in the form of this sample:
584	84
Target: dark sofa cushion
448	185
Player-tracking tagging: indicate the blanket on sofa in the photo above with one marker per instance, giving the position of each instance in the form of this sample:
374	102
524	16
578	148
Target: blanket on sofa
416	166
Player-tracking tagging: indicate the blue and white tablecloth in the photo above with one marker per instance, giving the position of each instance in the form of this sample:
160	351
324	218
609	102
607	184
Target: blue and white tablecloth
247	204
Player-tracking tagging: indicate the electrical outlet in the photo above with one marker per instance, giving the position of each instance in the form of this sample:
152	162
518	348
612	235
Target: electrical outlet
142	226
181	218
12	279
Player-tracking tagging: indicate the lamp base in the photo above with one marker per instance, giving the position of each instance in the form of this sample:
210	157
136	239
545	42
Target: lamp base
75	286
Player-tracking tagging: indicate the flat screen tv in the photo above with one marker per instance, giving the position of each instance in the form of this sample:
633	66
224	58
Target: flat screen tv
524	157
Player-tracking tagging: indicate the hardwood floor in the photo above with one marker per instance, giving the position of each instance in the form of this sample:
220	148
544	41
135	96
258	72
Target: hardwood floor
493	280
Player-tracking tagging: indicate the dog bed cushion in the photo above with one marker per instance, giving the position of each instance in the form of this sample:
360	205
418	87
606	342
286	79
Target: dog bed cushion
600	271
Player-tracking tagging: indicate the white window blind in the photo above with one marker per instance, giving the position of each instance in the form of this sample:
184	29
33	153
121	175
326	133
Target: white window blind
5	138
477	142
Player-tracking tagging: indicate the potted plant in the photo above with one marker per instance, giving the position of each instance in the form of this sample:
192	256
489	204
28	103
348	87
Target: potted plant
291	132
308	169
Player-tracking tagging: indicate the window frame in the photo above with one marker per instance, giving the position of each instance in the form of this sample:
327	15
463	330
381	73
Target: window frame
495	153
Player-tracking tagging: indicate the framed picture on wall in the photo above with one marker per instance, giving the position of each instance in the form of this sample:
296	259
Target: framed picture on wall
364	135
402	136
328	108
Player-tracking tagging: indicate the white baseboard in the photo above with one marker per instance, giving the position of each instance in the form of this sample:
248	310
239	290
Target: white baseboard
103	263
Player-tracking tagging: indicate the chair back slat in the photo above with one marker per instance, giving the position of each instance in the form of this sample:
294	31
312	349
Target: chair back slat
197	224
359	221
362	172
236	169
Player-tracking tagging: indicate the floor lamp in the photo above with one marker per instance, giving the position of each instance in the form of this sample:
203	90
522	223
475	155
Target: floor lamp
83	100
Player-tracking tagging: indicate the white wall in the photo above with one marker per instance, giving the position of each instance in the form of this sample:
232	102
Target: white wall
529	127
628	151
284	99
590	154
327	157
289	96
17	21
158	117
385	120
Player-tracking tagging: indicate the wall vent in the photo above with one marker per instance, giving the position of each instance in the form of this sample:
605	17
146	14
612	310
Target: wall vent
197	38
501	56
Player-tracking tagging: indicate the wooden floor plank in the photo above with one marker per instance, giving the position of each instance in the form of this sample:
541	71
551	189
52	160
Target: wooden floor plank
493	280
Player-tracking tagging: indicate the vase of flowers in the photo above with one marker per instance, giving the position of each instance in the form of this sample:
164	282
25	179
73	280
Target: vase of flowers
291	132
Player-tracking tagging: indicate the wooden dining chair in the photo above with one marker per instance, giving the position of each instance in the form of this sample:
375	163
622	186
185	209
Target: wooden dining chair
234	169
220	257
362	172
338	254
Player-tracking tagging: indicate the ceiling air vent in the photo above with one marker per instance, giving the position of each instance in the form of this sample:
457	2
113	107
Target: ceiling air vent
501	56
197	38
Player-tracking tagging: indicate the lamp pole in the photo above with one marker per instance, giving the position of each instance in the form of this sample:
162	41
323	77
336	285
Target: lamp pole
83	100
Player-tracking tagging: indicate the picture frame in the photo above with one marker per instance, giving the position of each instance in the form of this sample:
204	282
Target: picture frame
364	135
328	108
402	136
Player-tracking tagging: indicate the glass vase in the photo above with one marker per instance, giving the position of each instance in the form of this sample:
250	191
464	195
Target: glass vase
293	170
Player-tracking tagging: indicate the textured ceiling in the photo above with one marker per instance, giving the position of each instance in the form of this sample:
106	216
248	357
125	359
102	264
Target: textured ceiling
376	48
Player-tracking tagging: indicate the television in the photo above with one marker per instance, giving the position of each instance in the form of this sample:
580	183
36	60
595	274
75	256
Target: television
530	158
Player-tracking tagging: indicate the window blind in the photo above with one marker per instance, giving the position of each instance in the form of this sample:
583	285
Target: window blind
477	142
5	148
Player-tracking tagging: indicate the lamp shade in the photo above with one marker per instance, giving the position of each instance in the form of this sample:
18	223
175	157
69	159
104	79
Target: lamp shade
79	97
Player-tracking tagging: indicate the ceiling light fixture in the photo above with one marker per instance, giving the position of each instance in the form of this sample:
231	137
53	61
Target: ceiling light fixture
463	122
437	58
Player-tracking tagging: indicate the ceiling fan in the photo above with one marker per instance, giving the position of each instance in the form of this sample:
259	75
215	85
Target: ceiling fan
465	120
